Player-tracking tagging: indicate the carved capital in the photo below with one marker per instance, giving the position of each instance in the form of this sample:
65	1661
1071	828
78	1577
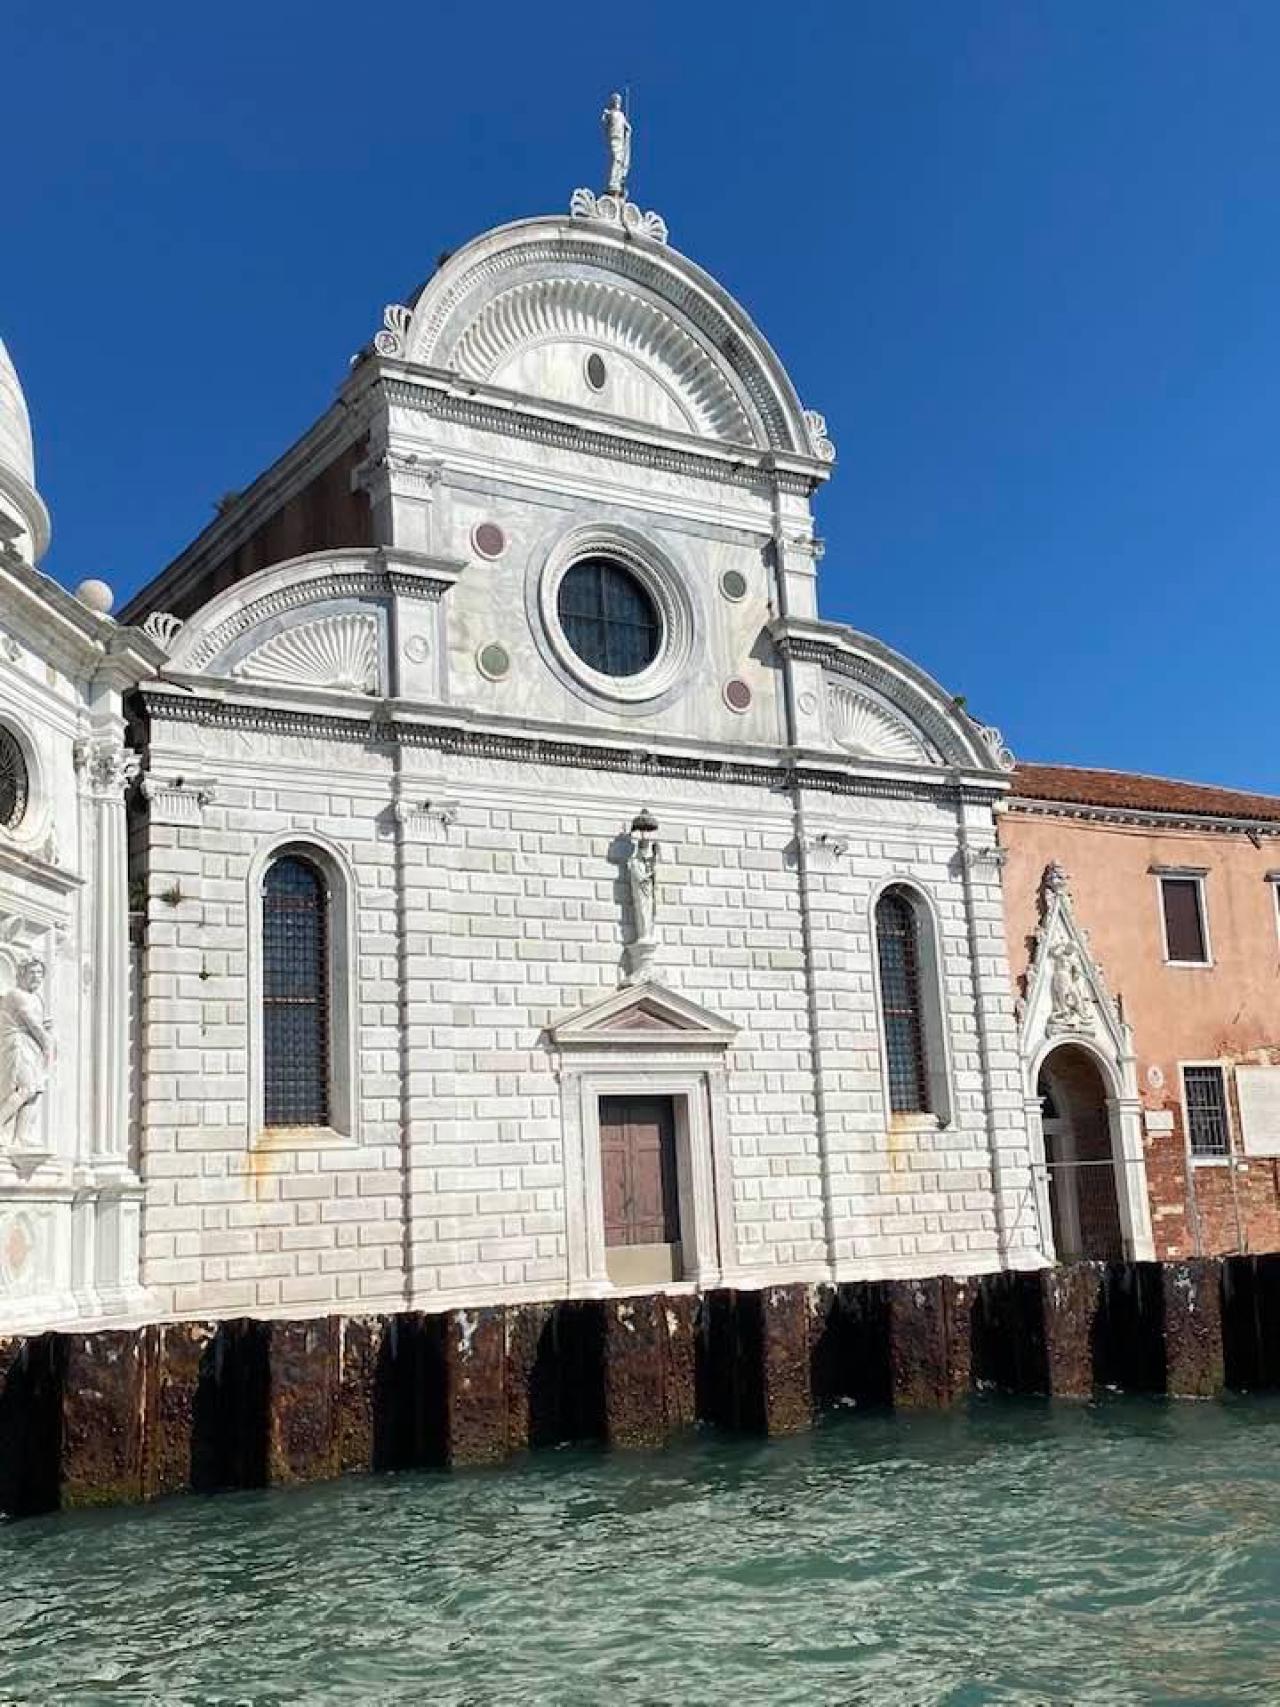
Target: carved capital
106	766
178	799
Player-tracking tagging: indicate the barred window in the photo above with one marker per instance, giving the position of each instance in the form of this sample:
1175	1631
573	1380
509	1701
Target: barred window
608	617
295	993
898	946
1206	1093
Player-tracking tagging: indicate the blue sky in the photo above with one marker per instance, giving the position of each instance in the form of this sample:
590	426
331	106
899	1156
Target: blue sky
1024	257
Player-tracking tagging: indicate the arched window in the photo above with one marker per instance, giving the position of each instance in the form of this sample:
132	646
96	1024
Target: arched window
898	946
295	993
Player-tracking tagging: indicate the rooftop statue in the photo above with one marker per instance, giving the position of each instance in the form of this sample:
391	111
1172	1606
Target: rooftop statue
617	135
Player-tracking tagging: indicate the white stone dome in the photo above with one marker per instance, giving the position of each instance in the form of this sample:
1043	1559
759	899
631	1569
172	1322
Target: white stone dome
20	503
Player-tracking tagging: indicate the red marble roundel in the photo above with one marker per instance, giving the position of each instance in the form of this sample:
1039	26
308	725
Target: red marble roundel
737	695
489	539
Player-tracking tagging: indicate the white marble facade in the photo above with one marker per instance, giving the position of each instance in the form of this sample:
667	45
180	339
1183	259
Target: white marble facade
70	1196
550	882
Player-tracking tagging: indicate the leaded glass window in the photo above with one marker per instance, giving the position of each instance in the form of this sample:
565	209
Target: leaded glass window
295	993
14	782
608	617
898	946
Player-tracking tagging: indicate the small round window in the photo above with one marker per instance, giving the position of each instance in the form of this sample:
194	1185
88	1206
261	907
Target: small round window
14	782
608	617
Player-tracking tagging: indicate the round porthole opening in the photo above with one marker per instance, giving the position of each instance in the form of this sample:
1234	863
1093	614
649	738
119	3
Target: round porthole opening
608	617
597	372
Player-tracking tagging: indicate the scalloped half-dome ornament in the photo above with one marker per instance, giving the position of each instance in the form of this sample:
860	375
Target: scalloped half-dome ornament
339	651
595	311
864	727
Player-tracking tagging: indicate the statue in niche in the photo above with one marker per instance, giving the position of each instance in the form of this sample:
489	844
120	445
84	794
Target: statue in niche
617	135
26	1052
1070	1007
642	881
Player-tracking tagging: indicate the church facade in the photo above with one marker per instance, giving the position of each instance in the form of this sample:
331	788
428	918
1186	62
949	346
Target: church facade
541	897
535	896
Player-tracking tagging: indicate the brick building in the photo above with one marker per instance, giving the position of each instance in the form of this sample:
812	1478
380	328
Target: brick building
1162	898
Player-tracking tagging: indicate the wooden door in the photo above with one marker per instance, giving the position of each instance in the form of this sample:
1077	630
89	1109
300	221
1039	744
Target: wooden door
638	1157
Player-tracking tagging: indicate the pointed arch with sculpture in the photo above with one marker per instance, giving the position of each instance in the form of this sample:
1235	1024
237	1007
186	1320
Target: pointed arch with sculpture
1080	1084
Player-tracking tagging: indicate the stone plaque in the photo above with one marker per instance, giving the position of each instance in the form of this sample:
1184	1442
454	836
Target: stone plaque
1258	1089
1158	1119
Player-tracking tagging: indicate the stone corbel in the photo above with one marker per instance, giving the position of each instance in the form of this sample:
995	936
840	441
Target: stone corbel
394	474
178	799
988	859
425	820
826	849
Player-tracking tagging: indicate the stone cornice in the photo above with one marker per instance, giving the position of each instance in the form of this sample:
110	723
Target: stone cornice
80	640
1143	818
511	414
389	725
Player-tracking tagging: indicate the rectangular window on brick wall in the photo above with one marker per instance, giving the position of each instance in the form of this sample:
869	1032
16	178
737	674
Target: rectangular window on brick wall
1185	937
1205	1094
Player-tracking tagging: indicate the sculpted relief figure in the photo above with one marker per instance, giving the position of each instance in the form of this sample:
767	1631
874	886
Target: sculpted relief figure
26	1051
617	134
1070	1008
642	881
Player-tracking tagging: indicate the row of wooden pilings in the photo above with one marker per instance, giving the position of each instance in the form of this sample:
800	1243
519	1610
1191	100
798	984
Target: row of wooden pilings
122	1415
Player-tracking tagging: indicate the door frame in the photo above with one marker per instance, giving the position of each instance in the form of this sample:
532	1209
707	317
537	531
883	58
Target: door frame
701	1195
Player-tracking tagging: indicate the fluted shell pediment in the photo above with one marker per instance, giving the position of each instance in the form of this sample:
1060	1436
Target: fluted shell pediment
338	651
862	725
539	336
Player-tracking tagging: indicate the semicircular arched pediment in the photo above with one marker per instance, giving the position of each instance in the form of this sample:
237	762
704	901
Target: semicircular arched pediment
557	320
746	395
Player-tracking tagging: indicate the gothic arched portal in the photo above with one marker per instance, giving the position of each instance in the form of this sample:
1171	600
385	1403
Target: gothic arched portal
1083	1200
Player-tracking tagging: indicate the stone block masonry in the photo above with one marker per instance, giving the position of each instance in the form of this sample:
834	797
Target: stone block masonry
125	1415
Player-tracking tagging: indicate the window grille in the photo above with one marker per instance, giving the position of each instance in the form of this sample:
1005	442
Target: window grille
1207	1130
14	784
897	939
295	994
1183	918
608	617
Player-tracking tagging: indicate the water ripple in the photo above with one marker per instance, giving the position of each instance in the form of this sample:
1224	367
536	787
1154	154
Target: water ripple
1119	1555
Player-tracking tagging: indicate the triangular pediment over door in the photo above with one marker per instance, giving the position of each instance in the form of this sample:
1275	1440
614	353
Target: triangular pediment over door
643	1016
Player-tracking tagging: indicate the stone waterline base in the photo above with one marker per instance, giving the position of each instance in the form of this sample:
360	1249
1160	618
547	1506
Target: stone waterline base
100	1418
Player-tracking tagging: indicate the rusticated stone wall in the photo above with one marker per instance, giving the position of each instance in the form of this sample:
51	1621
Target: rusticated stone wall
96	1419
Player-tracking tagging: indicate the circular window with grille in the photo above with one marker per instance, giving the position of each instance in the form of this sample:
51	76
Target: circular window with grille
608	617
15	782
615	617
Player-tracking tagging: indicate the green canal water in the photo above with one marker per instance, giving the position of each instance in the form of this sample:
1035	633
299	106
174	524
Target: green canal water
1122	1553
